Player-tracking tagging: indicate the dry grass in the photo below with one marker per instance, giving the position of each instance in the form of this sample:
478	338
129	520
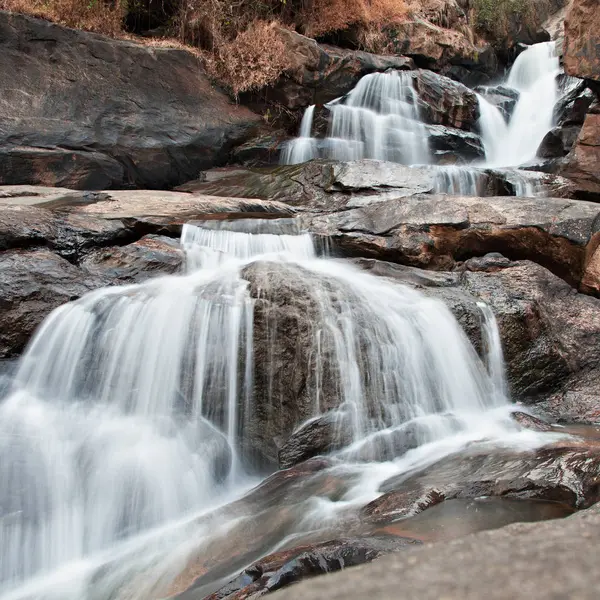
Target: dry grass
254	59
101	16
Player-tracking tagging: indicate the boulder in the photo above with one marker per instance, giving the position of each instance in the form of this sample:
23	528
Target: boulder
32	284
92	112
456	143
148	257
446	102
582	40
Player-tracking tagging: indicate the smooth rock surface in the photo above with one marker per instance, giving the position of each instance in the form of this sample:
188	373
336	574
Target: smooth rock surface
555	559
90	112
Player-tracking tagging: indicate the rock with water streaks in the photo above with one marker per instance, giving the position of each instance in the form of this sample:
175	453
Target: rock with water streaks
284	568
91	112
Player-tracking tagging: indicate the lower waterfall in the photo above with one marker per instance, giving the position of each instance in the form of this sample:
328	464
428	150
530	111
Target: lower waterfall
132	410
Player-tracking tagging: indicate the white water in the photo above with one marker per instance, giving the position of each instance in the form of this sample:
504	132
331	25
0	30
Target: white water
378	119
129	407
534	76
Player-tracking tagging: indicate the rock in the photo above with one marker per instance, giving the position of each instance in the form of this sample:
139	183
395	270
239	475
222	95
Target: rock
151	256
290	566
440	45
322	184
87	115
434	231
319	73
315	437
261	151
503	97
446	102
582	40
555	558
32	284
563	472
445	141
530	422
558	142
582	163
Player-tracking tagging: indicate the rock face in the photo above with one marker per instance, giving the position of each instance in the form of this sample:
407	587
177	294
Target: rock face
548	330
582	163
582	40
93	113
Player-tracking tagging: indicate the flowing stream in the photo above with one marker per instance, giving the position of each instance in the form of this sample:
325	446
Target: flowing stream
129	415
382	119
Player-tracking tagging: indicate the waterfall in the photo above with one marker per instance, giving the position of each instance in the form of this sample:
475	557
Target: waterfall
381	119
494	356
130	406
304	147
378	119
534	76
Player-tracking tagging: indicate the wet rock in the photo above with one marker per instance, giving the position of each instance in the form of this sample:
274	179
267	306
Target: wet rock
446	102
548	330
558	142
582	40
32	284
564	472
318	436
447	141
261	151
530	422
151	256
290	566
503	97
101	121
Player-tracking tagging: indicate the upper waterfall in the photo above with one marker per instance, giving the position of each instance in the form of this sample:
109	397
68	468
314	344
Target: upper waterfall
534	77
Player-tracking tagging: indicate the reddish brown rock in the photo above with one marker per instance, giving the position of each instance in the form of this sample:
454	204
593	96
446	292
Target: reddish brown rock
582	40
583	163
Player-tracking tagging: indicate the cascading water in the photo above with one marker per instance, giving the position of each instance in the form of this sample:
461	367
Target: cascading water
534	76
129	409
378	119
